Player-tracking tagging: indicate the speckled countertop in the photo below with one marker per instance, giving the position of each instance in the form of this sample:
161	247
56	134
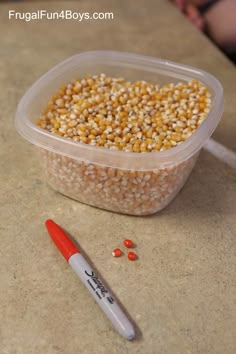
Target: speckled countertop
181	292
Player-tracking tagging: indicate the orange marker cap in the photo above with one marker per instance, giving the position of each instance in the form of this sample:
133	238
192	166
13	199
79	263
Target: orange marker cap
61	240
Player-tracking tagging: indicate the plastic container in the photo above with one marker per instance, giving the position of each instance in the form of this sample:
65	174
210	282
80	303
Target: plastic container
120	181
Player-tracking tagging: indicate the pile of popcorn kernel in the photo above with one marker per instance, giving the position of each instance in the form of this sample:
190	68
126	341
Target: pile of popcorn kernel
132	116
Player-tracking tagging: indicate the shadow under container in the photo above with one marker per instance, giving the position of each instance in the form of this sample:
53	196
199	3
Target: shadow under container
119	181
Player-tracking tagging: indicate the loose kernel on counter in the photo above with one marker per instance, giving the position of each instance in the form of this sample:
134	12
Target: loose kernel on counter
128	243
132	256
117	114
116	252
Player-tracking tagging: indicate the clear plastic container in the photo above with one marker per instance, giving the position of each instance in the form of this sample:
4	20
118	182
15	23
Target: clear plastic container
120	181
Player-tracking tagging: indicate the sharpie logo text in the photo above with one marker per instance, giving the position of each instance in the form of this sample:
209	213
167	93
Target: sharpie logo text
97	282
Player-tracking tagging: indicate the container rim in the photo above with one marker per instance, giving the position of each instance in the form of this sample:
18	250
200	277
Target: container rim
116	158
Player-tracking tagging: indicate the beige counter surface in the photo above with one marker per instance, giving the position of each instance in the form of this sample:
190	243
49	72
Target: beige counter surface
181	293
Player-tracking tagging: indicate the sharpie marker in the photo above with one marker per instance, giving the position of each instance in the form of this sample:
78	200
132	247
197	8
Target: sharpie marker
94	285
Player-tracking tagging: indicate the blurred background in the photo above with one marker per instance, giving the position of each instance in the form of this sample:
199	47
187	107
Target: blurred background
215	18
